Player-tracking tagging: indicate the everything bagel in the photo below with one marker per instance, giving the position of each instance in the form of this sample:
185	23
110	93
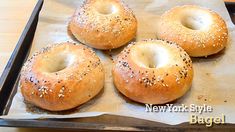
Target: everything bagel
103	24
199	31
61	76
153	72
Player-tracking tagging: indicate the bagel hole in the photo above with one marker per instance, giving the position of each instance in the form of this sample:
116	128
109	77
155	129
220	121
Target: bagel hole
56	63
106	8
195	21
150	56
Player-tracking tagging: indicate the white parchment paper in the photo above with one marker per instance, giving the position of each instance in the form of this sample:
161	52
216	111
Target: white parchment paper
212	83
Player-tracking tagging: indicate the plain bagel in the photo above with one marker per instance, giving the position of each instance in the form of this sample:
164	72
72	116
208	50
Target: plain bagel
103	24
61	76
153	72
199	31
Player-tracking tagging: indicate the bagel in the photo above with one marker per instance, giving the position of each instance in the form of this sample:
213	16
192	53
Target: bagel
199	31
61	76
103	24
153	72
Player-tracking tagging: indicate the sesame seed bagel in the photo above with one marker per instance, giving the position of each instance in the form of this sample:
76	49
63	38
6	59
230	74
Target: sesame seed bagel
153	72
61	76
103	24
199	31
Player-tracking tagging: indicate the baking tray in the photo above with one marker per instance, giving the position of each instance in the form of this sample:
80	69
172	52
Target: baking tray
8	87
231	9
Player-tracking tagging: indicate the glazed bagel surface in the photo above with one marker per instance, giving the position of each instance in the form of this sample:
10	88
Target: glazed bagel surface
199	31
103	24
61	76
153	72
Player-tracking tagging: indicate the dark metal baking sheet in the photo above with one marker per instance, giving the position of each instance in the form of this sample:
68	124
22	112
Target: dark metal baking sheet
8	86
231	9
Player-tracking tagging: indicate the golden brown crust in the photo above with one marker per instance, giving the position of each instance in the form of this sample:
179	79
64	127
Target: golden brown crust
196	42
103	31
153	85
54	89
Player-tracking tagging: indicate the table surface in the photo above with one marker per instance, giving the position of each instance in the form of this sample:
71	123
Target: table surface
14	15
229	0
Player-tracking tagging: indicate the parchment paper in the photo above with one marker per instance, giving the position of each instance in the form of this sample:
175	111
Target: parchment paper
212	83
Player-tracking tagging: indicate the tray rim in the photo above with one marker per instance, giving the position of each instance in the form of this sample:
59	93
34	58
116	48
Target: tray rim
62	124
